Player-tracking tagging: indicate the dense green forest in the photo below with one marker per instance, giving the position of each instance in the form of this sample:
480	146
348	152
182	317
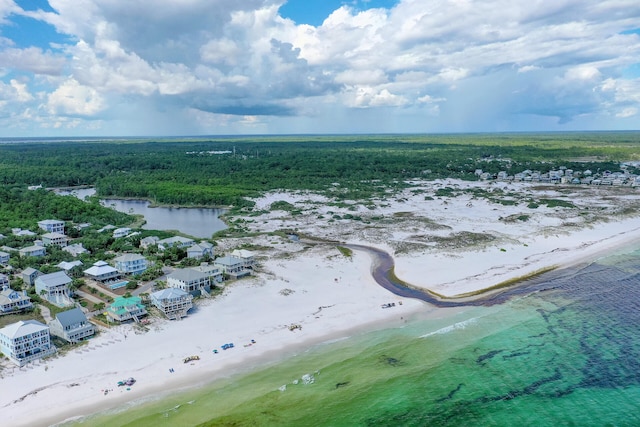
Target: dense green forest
20	208
222	171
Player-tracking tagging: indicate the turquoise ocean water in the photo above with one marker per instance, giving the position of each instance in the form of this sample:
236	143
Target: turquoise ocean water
564	350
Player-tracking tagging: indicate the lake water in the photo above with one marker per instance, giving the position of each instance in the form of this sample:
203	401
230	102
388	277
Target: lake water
565	354
196	222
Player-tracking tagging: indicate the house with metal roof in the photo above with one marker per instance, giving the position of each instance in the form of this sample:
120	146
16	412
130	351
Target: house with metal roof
248	258
189	280
36	251
75	249
123	309
149	241
54	287
121	232
52	226
71	325
231	266
68	265
102	272
173	302
54	239
130	263
12	301
215	273
22	233
25	341
200	250
29	275
4	257
176	241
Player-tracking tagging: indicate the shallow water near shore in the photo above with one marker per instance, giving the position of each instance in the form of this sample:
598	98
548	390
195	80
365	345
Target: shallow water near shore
568	353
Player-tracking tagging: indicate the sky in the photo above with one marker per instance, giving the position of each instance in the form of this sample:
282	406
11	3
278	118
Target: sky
220	67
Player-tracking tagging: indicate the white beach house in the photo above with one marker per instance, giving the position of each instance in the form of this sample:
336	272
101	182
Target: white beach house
54	287
248	258
71	325
149	241
12	301
54	239
214	273
102	272
200	250
191	281
35	251
177	242
68	265
130	263
4	257
231	266
52	226
19	232
29	275
173	302
121	232
25	341
76	249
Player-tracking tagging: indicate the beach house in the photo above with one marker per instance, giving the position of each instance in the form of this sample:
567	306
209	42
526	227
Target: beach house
76	249
214	273
130	263
173	302
149	241
54	287
4	280
231	266
52	226
126	308
54	239
35	251
68	265
175	242
102	272
19	232
12	301
200	250
4	258
71	325
189	280
121	232
248	258
25	341
29	275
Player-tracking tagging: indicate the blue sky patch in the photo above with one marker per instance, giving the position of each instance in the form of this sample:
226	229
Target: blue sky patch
632	71
632	31
27	32
35	5
314	12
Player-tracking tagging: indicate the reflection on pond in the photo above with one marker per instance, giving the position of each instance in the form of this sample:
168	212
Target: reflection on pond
196	222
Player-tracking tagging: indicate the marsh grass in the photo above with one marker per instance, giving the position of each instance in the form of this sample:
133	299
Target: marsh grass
348	253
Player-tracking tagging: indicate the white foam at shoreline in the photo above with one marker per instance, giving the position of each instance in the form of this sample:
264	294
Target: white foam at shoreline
451	328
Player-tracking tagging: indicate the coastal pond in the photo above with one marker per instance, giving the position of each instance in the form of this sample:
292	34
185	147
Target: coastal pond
196	222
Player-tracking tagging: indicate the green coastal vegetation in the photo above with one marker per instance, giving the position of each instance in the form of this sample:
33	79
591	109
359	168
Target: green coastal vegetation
222	171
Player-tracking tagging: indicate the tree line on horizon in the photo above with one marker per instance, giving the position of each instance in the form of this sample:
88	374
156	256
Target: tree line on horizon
223	172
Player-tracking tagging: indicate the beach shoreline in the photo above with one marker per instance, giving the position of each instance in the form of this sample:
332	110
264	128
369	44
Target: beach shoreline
304	295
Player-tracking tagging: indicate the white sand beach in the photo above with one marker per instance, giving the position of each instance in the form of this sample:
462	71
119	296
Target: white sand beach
451	245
